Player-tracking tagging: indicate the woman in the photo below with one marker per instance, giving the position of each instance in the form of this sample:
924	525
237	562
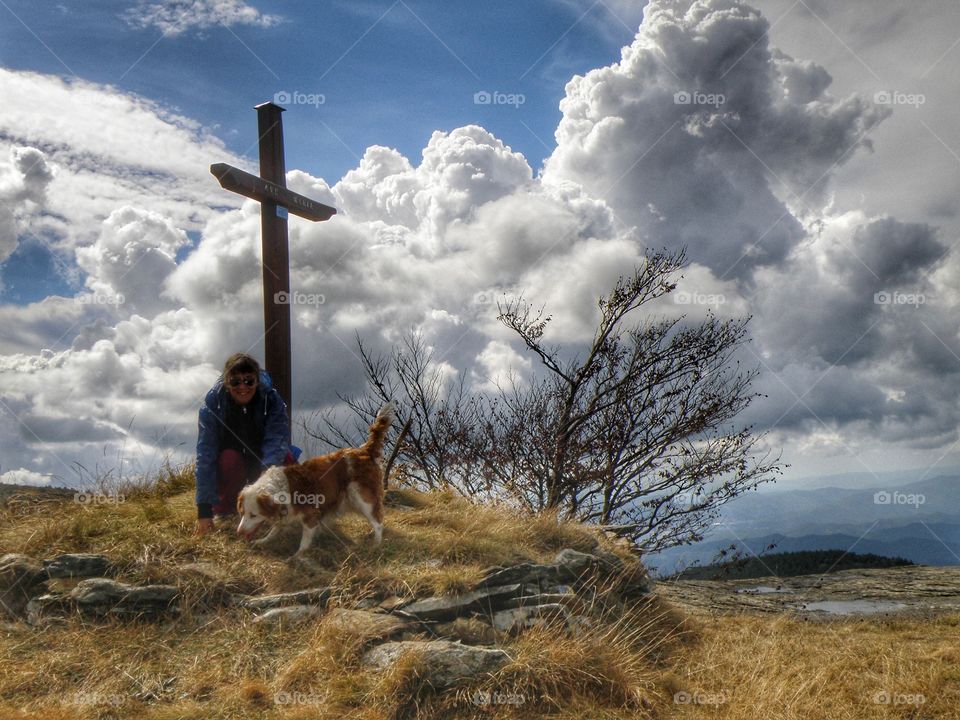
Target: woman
243	430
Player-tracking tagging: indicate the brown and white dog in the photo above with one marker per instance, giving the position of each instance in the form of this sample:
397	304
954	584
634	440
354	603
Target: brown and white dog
319	490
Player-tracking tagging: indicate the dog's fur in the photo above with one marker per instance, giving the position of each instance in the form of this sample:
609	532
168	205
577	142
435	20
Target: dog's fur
319	490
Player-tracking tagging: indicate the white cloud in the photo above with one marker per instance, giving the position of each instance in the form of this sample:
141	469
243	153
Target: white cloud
22	476
703	136
150	158
23	186
177	16
433	244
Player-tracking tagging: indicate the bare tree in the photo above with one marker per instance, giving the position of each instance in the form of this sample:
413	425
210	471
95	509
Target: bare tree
637	434
639	430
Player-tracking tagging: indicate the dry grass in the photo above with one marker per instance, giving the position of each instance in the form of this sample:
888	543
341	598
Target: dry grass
749	667
216	663
631	661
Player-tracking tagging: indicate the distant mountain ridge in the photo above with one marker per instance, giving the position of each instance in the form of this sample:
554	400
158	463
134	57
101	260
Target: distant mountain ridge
919	521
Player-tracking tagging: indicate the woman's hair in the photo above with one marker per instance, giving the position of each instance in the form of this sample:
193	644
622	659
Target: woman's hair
240	363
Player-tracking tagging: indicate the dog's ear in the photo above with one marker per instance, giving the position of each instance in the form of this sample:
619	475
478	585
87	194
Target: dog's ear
240	504
270	507
267	506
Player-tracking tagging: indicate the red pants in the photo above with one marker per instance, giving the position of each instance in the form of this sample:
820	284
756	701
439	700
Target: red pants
233	474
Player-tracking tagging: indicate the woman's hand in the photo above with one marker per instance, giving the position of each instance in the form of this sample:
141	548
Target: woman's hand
204	526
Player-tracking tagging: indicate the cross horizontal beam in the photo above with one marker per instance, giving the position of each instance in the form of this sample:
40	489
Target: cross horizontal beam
251	186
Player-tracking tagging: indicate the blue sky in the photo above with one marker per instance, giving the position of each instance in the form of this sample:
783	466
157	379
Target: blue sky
368	73
390	73
815	192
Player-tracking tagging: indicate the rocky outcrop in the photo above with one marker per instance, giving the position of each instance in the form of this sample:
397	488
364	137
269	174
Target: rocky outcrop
447	663
103	597
443	608
451	635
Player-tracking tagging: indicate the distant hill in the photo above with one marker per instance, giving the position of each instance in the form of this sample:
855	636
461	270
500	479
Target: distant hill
34	491
790	564
918	521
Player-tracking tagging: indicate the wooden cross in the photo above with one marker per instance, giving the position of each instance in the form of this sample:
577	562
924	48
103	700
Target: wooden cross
270	189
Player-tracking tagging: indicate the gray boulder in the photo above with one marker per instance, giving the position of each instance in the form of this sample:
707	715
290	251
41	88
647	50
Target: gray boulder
315	596
443	608
77	565
523	573
448	663
102	597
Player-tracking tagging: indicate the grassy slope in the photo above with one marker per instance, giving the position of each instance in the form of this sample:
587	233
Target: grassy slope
635	663
216	663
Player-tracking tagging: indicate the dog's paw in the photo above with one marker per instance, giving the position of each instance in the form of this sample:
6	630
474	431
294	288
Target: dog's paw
259	542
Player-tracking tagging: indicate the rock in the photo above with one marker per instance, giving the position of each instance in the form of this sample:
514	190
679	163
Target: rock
516	619
449	607
524	573
74	565
103	596
565	599
636	583
574	565
315	596
447	663
289	614
21	578
46	608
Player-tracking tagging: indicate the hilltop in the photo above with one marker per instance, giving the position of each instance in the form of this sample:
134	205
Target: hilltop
364	645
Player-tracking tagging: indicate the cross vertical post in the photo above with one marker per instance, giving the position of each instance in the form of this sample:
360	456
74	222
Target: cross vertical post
276	254
270	190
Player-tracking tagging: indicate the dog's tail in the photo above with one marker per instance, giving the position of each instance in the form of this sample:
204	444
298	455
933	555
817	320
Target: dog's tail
378	431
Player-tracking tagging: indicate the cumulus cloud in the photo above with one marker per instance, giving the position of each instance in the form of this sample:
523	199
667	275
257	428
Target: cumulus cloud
130	261
705	137
174	17
432	243
151	159
23	187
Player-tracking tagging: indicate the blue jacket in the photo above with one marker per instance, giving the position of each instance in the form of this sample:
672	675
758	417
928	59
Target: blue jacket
270	412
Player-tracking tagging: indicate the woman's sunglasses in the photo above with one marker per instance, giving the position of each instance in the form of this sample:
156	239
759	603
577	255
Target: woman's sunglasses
236	382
